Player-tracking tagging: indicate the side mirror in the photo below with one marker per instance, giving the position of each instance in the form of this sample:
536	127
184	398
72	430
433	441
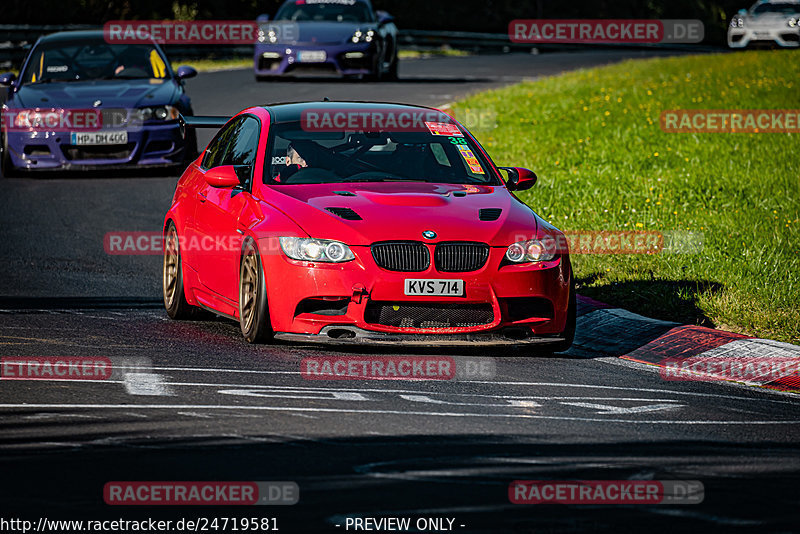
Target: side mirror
184	72
262	18
223	177
519	178
7	78
384	17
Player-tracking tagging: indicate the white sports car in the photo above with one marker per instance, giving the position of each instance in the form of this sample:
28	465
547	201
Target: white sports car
767	22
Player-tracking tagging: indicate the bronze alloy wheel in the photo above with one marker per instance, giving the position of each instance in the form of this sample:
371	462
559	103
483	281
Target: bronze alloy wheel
253	310
171	260
172	278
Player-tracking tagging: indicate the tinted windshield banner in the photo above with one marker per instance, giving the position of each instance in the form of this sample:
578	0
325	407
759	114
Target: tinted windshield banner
378	120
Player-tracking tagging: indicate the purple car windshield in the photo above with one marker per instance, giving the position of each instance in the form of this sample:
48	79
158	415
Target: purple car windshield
438	152
329	11
93	60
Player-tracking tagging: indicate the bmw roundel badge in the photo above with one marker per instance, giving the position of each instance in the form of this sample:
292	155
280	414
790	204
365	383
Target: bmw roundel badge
429	234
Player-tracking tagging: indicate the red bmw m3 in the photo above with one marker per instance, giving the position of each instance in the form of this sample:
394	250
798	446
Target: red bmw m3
363	223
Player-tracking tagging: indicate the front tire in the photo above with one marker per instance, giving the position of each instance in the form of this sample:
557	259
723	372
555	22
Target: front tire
391	75
6	167
253	311
569	329
172	278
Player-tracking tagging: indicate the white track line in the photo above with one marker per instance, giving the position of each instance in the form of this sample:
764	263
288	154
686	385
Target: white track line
378	412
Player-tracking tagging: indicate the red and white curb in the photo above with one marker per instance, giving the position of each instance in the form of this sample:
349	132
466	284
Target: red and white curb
685	352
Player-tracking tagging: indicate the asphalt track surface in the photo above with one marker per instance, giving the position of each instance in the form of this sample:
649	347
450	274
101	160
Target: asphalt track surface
193	401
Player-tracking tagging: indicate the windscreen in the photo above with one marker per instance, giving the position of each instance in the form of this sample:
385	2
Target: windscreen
441	153
787	8
93	60
331	11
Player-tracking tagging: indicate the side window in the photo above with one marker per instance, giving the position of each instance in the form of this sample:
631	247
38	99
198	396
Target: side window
244	143
236	144
218	146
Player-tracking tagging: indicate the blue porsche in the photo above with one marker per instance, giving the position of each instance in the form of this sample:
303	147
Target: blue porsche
81	102
318	37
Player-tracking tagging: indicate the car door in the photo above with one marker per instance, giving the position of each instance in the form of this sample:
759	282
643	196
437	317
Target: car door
218	211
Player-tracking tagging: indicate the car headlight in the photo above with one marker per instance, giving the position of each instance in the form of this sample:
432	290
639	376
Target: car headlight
794	22
360	36
310	249
162	113
534	250
737	22
268	36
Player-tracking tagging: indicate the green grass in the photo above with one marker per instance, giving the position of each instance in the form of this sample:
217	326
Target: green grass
209	65
442	51
594	139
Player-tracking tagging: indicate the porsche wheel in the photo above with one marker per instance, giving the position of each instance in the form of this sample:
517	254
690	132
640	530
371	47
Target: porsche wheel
392	74
253	312
172	279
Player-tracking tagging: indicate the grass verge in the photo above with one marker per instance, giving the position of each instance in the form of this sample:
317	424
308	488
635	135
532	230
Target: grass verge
594	138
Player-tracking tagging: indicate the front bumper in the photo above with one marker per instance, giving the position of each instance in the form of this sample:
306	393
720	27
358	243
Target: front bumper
343	59
348	335
359	301
787	37
154	145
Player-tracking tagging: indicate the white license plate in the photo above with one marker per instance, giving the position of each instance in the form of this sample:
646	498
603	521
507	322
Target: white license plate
434	287
311	56
99	138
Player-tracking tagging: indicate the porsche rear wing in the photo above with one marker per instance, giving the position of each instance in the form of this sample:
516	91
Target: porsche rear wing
201	121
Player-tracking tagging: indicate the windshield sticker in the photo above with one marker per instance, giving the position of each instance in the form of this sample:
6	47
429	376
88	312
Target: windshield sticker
443	128
279	160
57	68
338	2
469	157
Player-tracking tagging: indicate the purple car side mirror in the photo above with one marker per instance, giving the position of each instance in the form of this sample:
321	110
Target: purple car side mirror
184	72
7	78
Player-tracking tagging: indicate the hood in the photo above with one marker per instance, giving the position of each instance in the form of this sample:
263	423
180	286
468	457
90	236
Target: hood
402	211
768	20
112	94
321	32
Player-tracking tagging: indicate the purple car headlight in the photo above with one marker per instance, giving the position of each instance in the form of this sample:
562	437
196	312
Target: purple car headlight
161	113
366	37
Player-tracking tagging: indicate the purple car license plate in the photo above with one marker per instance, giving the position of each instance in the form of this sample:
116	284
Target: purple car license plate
99	138
311	56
